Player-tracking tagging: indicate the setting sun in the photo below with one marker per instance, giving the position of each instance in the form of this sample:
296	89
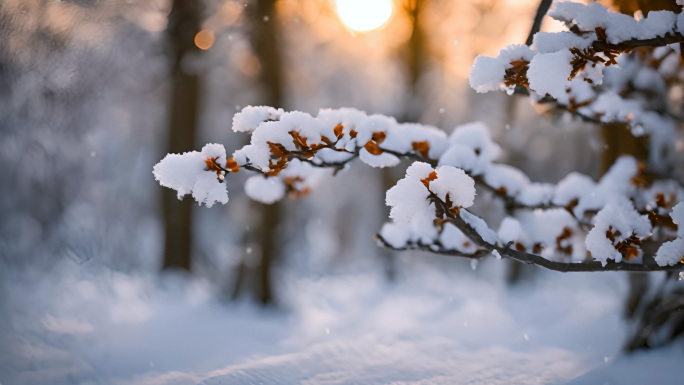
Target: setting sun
364	15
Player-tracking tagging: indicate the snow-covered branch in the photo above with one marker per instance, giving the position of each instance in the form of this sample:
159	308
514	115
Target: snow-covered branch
548	238
594	40
509	250
585	72
290	152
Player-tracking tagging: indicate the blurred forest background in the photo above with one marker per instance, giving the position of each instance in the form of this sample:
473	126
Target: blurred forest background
93	93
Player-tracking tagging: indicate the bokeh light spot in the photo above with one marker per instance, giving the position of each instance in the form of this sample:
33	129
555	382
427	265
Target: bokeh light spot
204	39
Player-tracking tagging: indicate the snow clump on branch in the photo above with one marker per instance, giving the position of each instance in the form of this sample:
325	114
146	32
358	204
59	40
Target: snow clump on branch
672	252
412	210
198	173
618	232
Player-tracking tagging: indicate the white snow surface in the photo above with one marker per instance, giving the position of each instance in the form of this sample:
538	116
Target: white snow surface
670	253
433	325
678	218
250	117
503	176
549	73
546	42
618	27
380	161
454	183
487	73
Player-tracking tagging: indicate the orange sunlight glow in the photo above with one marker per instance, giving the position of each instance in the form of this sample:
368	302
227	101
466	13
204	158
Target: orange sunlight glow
364	15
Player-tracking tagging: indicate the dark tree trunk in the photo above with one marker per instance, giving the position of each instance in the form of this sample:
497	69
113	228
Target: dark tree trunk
268	239
649	314
184	23
264	40
415	57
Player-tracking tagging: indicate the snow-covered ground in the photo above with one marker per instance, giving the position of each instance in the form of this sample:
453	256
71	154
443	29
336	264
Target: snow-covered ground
433	325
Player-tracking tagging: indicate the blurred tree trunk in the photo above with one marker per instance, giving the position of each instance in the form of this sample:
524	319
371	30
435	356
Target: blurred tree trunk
184	23
413	56
264	39
618	140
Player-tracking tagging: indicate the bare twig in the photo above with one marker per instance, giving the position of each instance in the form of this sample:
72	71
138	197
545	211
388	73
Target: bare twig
628	45
536	25
520	90
436	247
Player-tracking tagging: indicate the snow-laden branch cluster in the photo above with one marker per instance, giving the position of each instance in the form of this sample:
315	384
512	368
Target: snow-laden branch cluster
555	238
626	214
583	70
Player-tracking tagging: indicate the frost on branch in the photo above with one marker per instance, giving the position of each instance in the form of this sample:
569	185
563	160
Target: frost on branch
198	173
